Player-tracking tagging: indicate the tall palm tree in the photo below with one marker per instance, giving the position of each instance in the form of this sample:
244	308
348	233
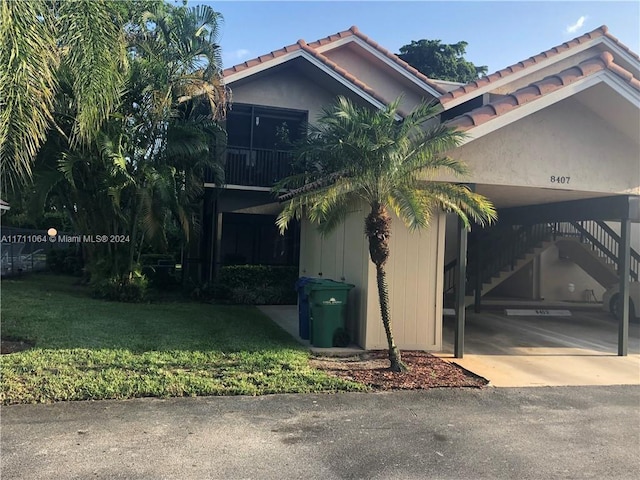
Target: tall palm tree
39	39
357	155
178	92
144	168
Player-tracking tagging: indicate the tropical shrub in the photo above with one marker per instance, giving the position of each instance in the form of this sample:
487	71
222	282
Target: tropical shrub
257	284
67	261
121	288
159	270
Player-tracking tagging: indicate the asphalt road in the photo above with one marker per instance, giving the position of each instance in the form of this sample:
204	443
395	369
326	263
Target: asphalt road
535	433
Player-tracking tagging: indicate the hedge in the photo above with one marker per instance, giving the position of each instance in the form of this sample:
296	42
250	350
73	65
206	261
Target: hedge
257	284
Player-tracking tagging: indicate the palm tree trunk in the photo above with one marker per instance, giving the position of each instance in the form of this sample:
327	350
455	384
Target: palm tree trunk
378	231
383	295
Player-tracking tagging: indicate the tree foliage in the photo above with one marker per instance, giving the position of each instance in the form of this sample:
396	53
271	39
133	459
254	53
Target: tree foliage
40	41
139	173
441	61
356	156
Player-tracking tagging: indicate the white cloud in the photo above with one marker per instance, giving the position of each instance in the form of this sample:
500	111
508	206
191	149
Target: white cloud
234	57
576	26
239	54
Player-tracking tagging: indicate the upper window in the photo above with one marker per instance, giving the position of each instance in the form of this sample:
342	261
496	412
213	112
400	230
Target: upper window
263	128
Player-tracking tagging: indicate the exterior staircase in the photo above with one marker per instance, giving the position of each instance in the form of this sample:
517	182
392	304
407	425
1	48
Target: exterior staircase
497	253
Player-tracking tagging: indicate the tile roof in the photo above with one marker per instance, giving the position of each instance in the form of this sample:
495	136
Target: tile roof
536	90
311	48
302	45
602	31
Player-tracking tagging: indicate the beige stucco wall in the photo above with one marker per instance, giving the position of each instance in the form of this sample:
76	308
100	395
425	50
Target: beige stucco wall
386	83
565	139
557	273
635	233
284	88
414	275
551	282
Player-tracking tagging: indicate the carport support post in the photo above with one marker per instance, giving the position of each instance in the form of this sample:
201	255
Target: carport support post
477	301
461	276
624	258
217	258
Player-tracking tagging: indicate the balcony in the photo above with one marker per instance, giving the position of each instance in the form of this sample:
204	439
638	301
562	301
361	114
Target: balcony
256	167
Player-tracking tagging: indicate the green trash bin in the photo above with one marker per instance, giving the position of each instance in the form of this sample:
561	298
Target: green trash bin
327	310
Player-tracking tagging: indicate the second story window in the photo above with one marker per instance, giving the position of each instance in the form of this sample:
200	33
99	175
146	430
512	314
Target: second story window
258	145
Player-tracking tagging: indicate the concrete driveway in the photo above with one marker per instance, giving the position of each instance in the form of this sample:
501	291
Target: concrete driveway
550	433
537	351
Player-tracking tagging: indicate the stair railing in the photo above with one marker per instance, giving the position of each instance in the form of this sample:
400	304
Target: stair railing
500	248
495	250
604	240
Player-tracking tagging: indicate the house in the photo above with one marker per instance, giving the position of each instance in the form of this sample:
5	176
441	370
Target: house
553	141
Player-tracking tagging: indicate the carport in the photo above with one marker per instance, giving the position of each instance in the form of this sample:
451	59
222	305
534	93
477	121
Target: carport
622	208
545	351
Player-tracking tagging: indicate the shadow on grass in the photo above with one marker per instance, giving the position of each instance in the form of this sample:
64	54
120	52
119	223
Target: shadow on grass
53	312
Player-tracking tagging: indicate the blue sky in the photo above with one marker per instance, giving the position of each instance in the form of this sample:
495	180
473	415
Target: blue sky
498	33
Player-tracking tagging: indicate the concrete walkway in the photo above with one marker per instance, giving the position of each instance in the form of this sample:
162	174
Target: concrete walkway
286	317
546	433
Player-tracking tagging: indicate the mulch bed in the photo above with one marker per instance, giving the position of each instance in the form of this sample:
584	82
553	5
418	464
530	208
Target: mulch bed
425	371
13	346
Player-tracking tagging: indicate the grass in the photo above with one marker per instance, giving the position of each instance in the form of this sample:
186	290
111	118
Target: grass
92	349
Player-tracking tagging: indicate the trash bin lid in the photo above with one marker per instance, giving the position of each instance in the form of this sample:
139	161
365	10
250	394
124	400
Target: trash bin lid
302	281
327	284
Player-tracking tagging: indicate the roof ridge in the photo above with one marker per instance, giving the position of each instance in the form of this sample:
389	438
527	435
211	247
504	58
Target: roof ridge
392	56
601	31
540	88
352	31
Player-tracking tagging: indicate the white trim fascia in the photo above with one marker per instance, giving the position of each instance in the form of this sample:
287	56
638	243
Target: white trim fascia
631	60
402	71
536	105
329	71
247	72
532	69
335	44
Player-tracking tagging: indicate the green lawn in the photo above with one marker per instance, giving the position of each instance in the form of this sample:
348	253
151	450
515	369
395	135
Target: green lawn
93	349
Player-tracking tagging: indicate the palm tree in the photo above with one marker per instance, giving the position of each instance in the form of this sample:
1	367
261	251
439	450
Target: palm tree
144	168
355	155
39	40
178	92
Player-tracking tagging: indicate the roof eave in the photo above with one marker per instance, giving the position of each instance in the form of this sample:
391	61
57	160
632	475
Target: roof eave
612	45
604	76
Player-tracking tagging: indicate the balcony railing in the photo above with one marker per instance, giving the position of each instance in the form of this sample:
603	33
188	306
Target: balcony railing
256	167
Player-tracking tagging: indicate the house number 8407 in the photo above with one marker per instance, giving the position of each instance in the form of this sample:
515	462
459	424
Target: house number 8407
554	179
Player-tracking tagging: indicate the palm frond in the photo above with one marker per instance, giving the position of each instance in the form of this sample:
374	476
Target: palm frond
361	152
96	57
461	200
411	207
29	57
